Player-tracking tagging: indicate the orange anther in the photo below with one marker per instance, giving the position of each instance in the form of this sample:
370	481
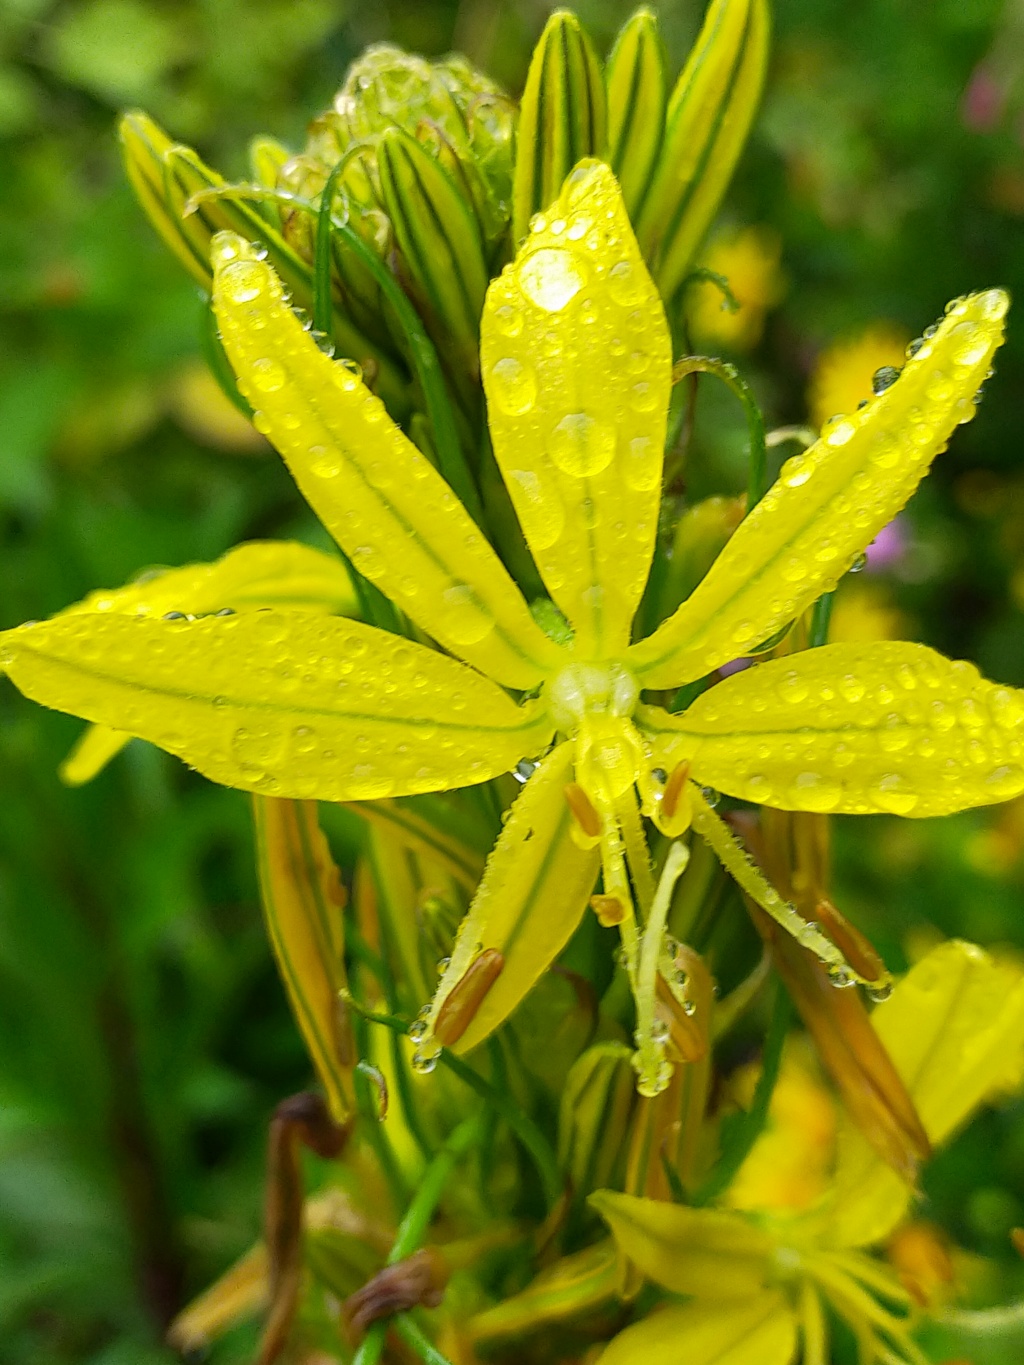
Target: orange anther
466	996
583	810
608	909
674	788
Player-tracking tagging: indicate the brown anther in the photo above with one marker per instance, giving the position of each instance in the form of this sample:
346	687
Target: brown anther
466	996
583	810
419	1280
859	952
608	909
674	788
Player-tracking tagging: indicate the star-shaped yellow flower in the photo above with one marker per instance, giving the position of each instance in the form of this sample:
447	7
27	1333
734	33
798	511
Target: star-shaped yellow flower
577	369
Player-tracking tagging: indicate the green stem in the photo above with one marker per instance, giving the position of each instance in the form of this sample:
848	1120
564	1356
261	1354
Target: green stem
821	618
413	1227
407	1328
745	1129
757	479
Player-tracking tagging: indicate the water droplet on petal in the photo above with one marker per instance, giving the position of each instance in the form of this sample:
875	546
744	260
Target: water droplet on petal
581	445
551	278
243	281
513	386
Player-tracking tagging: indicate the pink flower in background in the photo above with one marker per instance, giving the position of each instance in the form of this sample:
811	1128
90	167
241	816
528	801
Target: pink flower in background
982	104
888	547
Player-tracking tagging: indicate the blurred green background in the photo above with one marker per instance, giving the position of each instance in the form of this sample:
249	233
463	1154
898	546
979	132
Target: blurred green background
144	1039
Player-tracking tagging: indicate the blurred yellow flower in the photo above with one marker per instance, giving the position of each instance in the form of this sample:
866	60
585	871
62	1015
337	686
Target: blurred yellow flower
842	377
750	260
864	612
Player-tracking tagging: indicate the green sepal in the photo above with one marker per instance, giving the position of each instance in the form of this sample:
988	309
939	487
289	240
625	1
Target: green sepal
439	237
637	88
562	117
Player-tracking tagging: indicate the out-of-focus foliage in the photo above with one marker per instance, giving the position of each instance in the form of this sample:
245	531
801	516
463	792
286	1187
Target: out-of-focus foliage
144	1038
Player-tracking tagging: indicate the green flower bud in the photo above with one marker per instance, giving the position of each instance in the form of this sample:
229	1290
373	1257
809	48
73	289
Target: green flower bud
562	118
637	87
594	1116
168	177
709	116
439	238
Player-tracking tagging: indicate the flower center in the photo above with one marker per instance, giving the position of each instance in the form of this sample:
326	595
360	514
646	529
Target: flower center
580	690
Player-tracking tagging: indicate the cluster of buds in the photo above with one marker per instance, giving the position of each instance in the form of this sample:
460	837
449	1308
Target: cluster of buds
426	174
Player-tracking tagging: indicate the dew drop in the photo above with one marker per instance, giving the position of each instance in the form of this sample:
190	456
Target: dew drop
1005	781
884	378
814	792
267	375
969	343
513	386
551	278
893	793
243	281
626	284
581	445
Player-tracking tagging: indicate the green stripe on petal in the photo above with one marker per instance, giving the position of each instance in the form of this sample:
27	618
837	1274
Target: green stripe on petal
382	500
829	503
281	703
853	728
577	370
532	897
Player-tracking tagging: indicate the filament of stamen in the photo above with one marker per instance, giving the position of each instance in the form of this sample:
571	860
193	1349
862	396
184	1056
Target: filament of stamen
653	1068
738	863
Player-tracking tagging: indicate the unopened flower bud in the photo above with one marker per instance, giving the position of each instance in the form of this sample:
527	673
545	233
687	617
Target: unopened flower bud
562	117
637	89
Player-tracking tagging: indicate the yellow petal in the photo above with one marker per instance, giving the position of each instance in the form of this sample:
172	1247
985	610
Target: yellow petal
954	1027
302	898
709	116
857	728
829	502
429	831
532	897
577	368
708	1252
759	1332
283	703
261	573
383	501
92	751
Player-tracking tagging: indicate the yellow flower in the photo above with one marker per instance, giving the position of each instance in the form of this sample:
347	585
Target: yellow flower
750	261
842	377
577	370
757	1280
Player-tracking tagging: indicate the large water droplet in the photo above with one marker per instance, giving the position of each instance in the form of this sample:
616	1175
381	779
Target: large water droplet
581	445
267	375
893	793
465	620
969	343
513	386
546	514
626	284
551	278
243	281
815	792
